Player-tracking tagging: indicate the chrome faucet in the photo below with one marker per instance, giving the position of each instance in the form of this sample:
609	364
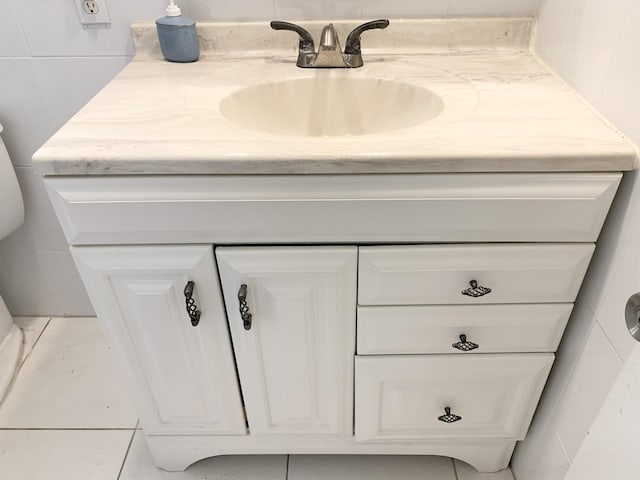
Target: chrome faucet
329	54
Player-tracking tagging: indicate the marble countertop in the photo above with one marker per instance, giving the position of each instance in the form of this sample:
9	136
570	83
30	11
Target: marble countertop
504	111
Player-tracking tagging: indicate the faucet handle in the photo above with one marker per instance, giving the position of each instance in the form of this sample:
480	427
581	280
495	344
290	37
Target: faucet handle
306	40
352	45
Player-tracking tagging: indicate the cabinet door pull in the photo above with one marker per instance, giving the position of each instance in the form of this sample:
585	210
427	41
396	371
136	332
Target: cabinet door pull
449	417
476	290
244	307
464	344
192	308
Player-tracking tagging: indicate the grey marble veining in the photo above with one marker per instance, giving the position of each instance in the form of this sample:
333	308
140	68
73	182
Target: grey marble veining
504	111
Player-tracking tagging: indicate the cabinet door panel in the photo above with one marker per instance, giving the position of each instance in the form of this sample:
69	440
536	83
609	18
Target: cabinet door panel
183	376
296	361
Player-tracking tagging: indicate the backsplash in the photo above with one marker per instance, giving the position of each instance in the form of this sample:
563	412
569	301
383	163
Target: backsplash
325	9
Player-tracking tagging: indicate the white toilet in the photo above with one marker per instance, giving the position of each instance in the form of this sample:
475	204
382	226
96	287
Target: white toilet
11	217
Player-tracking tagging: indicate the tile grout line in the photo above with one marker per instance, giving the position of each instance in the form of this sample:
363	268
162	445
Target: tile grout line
33	347
126	455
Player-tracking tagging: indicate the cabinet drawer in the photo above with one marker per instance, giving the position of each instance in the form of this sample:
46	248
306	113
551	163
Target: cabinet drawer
438	274
434	329
399	398
501	207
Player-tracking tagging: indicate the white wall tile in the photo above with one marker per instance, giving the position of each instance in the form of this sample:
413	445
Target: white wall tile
229	10
550	463
124	13
53	28
22	281
586	391
23	111
40	217
551	31
488	8
318	9
625	283
611	449
69	83
404	8
12	40
60	271
620	101
592	37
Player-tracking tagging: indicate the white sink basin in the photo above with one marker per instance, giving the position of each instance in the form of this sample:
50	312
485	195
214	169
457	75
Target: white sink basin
331	106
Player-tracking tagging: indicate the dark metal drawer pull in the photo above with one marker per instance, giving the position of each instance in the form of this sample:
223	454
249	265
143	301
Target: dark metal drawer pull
449	417
192	308
464	344
244	307
476	290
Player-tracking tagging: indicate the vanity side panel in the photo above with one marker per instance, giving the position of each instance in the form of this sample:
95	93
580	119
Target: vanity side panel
562	207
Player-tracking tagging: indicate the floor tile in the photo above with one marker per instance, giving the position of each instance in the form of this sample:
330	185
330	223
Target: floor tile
32	328
369	467
139	466
62	454
467	472
69	381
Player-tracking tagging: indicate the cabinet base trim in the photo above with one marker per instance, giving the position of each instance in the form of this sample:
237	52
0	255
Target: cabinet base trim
177	452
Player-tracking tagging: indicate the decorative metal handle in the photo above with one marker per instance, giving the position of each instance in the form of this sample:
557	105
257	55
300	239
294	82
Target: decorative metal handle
465	345
449	417
244	307
476	290
192	308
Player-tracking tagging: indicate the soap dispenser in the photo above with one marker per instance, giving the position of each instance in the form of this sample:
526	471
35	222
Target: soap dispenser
177	36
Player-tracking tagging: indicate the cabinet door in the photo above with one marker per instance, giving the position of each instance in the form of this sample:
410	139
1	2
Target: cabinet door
183	377
296	360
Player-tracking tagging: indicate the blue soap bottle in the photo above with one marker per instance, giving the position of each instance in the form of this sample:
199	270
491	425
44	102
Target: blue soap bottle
177	36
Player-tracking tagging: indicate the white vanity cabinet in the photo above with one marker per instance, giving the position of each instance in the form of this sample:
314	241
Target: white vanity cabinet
333	313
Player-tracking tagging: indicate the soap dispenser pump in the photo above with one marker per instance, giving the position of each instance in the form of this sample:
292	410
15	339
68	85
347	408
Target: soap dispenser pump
177	36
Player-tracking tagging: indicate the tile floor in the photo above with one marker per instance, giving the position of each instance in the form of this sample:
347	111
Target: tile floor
68	417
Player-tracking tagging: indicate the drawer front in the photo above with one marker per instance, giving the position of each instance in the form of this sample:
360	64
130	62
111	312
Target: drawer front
438	329
438	274
525	207
400	398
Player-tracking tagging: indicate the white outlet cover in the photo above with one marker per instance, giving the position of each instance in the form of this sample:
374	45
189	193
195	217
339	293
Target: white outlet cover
100	19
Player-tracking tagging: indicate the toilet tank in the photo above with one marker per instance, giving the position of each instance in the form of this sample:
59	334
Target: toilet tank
11	205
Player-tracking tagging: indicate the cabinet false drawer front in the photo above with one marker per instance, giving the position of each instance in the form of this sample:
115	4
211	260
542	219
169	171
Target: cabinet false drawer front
413	398
179	358
472	274
292	313
461	328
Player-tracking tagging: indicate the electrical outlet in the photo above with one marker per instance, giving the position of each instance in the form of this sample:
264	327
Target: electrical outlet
93	13
90	7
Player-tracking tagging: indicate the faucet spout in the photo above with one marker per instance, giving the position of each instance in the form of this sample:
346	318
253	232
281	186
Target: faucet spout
329	38
329	52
